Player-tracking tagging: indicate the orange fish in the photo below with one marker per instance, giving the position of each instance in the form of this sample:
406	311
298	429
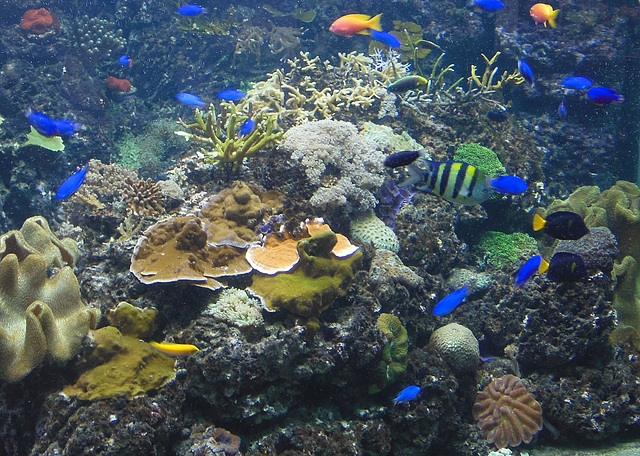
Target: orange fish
351	24
543	13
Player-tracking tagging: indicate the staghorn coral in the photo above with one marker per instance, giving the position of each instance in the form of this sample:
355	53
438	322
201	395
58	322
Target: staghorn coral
41	317
342	166
507	413
457	345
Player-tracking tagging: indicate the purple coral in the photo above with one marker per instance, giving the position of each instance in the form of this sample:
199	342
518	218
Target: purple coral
391	200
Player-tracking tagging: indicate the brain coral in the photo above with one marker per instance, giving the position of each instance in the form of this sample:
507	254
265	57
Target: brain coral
368	228
41	317
457	345
507	413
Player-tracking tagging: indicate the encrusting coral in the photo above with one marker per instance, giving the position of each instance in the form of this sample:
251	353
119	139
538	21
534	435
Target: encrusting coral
41	317
507	413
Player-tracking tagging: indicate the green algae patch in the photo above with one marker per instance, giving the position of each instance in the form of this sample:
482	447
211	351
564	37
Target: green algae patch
503	250
317	280
481	157
122	366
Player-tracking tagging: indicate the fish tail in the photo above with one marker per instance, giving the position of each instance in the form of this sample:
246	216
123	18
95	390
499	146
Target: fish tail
544	265
374	23
552	19
416	175
538	222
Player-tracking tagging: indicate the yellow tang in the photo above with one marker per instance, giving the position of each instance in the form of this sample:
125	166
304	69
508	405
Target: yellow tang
171	349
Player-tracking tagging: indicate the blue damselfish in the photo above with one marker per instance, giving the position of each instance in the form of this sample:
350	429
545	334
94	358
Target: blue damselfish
231	95
531	266
604	96
247	127
510	185
447	304
49	127
526	71
490	6
72	184
407	394
190	99
577	83
191	10
125	61
385	38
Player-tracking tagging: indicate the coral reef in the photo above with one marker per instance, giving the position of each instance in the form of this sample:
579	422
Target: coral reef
369	229
236	308
507	413
98	39
210	441
457	345
502	250
42	317
481	157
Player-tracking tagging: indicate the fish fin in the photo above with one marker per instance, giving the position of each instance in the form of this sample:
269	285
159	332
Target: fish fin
416	174
552	19
538	222
544	266
374	23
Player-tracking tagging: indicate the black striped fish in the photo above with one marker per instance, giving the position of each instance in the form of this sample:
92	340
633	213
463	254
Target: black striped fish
454	181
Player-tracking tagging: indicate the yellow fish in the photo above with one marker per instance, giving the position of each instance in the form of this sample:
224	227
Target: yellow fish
171	349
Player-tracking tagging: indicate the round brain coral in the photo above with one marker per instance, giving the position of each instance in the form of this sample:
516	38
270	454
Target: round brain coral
457	345
507	413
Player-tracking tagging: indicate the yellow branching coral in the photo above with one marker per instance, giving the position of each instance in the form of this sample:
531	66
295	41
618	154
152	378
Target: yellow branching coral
221	133
488	82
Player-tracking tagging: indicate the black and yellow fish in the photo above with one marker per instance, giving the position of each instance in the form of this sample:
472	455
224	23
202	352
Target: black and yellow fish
454	181
564	225
566	267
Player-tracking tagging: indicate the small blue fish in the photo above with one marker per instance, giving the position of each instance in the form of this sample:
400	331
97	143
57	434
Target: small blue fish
447	304
526	71
191	10
577	83
562	110
247	127
125	61
41	122
490	6
407	394
72	184
531	266
190	99
486	359
509	185
66	127
231	95
385	38
604	96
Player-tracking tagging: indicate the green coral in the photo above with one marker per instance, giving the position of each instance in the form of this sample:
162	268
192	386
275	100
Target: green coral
221	132
481	157
500	249
394	355
128	152
317	280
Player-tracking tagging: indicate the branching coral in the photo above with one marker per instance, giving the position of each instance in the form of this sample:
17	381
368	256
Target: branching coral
507	413
488	83
221	133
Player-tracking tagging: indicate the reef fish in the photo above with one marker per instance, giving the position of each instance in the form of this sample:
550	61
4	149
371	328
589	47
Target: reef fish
247	127
414	82
456	182
604	96
529	268
231	95
407	394
404	158
509	185
577	83
191	10
566	267
562	110
125	61
543	13
525	70
497	115
190	99
490	6
351	24
386	38
448	304
564	225
72	184
49	127
171	349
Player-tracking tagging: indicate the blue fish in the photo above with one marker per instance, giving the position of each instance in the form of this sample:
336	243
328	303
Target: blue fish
247	127
191	10
562	110
72	184
407	394
486	359
447	304
509	185
526	71
604	96
531	266
41	122
66	127
385	38
490	6
125	61
577	83
231	95
190	99
404	158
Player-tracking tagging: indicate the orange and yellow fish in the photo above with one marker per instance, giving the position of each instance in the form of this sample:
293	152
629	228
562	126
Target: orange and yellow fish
351	24
171	349
543	13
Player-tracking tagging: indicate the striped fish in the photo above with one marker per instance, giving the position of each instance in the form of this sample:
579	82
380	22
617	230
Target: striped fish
454	181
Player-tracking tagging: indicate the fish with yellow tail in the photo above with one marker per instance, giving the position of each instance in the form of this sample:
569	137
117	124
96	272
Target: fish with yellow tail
351	24
543	13
172	349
